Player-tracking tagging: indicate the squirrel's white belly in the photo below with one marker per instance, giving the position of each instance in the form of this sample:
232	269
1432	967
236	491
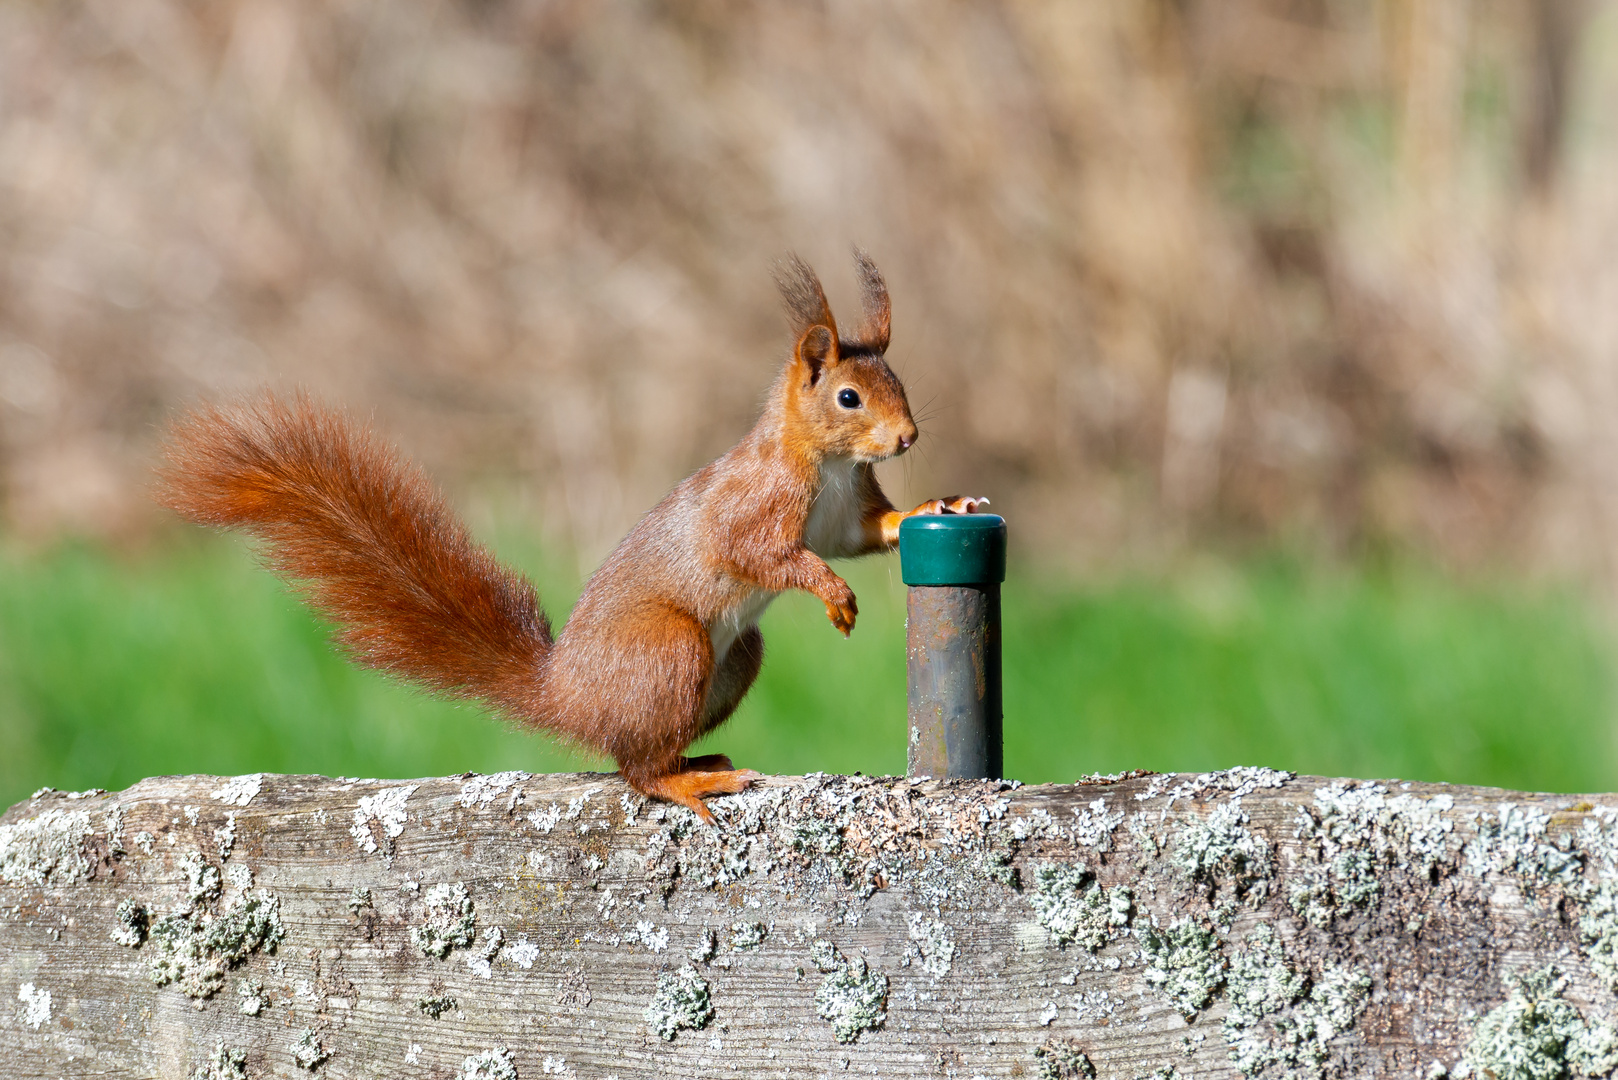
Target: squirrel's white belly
737	620
833	528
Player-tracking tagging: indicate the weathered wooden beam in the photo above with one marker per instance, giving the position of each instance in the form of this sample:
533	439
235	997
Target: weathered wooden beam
522	926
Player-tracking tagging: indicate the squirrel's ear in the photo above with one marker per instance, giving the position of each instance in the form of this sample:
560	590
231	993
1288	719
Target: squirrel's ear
816	351
874	322
805	300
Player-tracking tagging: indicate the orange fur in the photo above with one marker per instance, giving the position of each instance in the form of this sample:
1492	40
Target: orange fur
663	644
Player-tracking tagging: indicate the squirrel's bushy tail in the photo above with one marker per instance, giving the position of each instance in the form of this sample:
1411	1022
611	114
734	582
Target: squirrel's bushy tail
369	542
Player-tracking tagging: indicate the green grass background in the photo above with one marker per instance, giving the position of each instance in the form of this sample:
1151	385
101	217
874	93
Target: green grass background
192	659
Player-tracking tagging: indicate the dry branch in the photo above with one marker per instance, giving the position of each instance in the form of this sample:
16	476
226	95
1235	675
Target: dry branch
521	926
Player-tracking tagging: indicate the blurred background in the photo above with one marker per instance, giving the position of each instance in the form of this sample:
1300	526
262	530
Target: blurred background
1283	332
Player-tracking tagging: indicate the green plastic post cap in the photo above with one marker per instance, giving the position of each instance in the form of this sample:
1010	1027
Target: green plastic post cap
952	549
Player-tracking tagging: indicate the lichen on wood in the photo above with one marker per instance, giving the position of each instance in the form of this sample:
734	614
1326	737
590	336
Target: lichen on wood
1242	922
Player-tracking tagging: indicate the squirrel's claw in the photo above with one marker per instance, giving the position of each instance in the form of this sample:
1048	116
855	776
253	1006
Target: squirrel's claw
688	788
954	504
842	615
962	504
840	606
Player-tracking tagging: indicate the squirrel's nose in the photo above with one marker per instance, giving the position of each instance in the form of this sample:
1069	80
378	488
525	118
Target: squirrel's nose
906	439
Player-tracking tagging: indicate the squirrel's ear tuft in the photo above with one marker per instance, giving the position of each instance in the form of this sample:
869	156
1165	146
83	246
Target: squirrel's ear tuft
803	297
816	351
875	319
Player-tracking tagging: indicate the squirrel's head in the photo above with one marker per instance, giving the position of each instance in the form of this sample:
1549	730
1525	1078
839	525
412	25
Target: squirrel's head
841	390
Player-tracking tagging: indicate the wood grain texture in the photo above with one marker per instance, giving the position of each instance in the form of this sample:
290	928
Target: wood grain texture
1313	926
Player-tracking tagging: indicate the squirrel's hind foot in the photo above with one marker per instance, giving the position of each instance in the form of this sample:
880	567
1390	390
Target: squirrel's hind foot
689	787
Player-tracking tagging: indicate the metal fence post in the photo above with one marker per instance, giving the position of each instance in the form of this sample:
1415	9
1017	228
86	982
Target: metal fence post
954	564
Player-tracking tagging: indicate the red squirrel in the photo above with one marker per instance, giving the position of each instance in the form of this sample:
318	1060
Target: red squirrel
664	642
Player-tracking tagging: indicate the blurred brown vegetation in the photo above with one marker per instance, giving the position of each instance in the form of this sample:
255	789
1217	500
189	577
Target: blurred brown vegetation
1254	271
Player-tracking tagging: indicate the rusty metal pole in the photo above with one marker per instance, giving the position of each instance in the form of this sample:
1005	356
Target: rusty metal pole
954	564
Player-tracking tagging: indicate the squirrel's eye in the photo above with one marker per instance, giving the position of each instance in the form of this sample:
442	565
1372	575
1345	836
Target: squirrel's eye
848	398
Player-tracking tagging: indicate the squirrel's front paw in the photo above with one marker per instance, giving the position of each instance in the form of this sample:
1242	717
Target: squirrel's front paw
841	610
954	504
